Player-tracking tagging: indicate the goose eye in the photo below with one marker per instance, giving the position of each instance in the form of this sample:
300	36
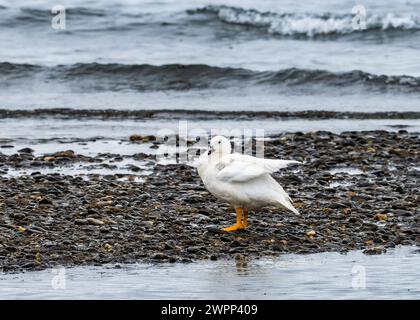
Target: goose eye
220	142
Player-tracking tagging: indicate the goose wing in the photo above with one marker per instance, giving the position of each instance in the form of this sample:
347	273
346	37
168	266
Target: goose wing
239	168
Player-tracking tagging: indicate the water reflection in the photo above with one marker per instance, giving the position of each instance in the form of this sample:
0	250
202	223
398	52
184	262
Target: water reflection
315	276
241	264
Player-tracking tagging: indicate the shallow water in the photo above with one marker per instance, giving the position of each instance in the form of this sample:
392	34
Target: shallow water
50	135
316	276
350	171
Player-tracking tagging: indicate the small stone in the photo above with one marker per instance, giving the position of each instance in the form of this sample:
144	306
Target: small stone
26	150
21	229
311	233
133	167
80	221
91	211
368	243
18	215
136	137
109	221
380	217
45	201
298	205
374	250
346	210
192	249
65	154
214	229
38	258
160	256
94	221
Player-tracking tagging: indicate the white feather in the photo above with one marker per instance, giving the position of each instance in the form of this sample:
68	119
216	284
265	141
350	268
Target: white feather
243	181
238	167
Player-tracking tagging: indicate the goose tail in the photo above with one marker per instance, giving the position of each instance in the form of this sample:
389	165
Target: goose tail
288	205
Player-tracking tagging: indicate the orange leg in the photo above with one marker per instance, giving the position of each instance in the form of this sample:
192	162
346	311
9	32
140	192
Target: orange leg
245	217
238	225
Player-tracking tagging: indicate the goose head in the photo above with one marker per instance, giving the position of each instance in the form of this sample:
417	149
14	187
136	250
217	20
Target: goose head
220	145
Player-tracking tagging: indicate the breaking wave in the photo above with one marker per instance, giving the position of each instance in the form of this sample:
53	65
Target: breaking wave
294	24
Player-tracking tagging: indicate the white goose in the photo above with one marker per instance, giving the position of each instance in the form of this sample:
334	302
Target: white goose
242	181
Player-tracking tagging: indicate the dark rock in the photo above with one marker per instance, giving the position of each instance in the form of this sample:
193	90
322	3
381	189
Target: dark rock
45	201
26	150
372	251
18	215
160	256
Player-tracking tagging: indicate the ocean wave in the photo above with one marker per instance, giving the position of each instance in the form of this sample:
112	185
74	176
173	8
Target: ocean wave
171	114
311	25
284	24
74	11
16	69
12	17
145	77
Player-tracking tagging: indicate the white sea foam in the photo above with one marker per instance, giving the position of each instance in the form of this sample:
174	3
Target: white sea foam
311	25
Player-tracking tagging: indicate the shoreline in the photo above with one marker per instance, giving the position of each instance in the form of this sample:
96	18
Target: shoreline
48	220
179	114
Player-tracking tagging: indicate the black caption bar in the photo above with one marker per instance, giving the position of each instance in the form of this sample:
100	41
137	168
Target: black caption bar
210	309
